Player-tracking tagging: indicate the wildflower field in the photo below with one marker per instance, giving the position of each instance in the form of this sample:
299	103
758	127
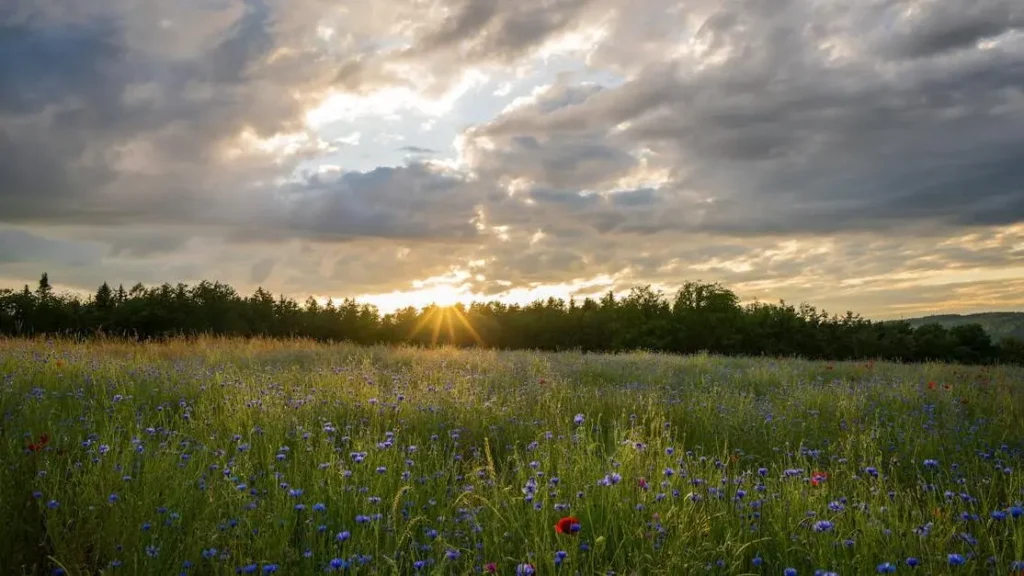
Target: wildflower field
259	457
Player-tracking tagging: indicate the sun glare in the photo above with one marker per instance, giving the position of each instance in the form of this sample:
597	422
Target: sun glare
443	295
446	320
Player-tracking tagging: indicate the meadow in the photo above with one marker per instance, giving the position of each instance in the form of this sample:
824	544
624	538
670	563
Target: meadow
258	457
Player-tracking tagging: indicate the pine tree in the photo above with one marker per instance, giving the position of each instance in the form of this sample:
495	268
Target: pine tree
44	291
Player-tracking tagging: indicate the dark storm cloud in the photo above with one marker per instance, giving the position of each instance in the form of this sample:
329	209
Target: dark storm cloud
497	29
938	27
411	202
41	67
79	98
777	136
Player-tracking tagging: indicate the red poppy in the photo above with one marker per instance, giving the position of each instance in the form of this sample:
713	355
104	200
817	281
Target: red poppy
44	440
491	568
818	477
568	525
931	385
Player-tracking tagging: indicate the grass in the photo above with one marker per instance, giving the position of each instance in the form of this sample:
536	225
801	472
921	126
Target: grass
220	456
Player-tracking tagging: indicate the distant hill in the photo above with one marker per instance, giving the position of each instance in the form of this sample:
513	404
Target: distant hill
997	324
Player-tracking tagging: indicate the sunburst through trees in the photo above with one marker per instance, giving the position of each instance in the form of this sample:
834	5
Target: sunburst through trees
449	320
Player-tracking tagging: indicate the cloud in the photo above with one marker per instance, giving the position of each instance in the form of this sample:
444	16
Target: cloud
418	150
765	130
736	140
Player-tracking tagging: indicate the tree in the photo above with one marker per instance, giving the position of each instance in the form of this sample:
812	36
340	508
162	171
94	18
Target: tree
104	297
698	316
44	291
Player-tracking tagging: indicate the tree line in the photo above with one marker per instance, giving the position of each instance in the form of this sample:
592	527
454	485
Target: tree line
697	317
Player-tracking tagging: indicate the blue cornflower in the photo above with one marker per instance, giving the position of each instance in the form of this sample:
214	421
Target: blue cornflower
52	504
113	498
931	463
789	572
209	554
419	565
956	560
912	562
578	419
998	515
560	557
152	551
319	507
338	564
836	506
886	568
342	536
295	492
452	554
247	569
269	568
823	526
871	471
525	570
360	519
757	561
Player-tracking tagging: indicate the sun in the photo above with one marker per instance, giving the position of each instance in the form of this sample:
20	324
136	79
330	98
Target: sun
447	319
444	295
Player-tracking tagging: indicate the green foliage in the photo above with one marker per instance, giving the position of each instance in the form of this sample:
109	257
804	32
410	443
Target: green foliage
997	324
233	453
697	317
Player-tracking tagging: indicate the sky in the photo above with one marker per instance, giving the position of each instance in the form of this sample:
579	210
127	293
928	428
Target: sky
864	156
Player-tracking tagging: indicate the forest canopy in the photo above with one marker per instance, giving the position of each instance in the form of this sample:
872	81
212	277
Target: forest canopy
698	317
